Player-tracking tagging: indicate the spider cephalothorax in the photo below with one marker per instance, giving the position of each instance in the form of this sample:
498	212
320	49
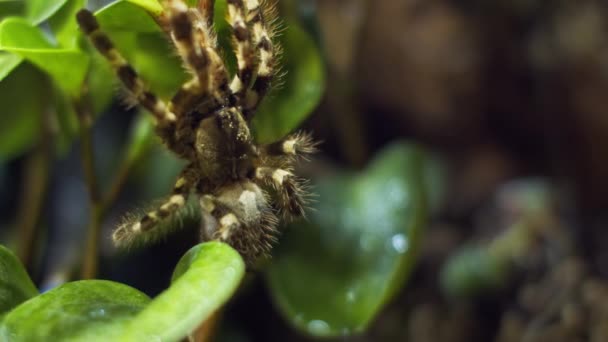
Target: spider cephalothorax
207	124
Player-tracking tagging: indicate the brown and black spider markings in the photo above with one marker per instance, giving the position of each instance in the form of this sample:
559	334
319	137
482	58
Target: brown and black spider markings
207	123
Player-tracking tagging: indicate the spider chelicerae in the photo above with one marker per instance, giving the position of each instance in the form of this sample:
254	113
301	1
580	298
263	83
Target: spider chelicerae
207	123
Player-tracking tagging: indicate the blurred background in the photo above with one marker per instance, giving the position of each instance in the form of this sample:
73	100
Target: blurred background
509	100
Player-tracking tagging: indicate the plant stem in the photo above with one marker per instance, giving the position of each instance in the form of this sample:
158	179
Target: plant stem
117	184
34	190
85	119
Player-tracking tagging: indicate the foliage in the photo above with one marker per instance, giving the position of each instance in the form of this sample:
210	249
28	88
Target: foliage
365	230
100	310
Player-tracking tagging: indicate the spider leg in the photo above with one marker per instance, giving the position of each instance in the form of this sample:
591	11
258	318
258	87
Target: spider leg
261	22
141	228
295	145
292	192
222	223
127	75
196	45
244	47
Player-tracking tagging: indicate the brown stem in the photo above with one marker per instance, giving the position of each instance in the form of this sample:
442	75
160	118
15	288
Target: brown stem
34	190
117	184
85	119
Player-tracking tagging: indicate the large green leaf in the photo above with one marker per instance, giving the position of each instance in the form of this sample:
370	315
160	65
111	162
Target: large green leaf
97	310
8	62
302	89
64	25
126	16
152	6
38	11
204	279
15	285
23	98
332	274
67	67
89	310
9	8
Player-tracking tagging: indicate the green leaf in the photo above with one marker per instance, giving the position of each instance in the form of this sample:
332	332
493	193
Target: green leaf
101	82
88	310
204	279
38	11
15	285
301	92
141	137
98	310
8	62
126	16
151	6
332	275
64	25
149	53
473	270
9	8
23	97
67	67
138	37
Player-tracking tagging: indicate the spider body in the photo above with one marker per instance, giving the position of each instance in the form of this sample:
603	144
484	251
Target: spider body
207	123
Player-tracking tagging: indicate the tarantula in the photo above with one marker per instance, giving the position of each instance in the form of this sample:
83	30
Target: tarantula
207	123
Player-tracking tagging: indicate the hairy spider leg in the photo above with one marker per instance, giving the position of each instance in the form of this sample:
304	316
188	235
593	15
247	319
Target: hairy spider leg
297	145
196	45
131	231
244	47
127	75
291	191
223	224
262	21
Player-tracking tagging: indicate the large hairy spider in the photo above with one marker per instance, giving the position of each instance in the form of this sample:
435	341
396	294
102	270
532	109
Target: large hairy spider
207	123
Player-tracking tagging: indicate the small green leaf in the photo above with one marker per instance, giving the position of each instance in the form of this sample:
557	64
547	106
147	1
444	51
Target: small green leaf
126	16
332	275
38	11
204	279
64	25
303	86
8	62
67	67
15	285
23	97
151	6
89	310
